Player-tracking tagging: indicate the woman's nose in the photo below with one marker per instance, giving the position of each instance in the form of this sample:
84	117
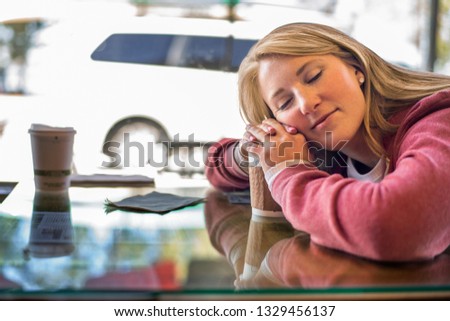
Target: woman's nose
308	101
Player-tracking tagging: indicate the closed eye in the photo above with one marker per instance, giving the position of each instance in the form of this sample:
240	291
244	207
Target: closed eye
285	105
315	77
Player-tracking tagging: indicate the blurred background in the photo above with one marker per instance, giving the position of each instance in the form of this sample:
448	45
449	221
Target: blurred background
182	88
158	78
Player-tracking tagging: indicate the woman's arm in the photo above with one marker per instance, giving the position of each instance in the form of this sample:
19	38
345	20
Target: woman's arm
222	169
404	217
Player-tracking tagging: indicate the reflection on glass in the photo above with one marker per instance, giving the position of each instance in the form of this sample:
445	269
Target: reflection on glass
267	226
51	231
264	231
297	262
227	226
282	259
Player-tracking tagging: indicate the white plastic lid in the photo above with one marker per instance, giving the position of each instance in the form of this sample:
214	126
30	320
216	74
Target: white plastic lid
47	128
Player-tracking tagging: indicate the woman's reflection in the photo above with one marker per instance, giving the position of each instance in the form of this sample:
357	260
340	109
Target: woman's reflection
292	261
51	231
297	262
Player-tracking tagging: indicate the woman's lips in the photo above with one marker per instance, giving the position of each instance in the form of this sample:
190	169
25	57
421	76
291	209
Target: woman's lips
322	119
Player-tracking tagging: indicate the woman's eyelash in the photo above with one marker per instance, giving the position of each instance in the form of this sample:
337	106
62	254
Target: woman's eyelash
313	79
285	105
310	81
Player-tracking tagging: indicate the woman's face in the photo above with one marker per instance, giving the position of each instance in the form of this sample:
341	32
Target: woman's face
318	95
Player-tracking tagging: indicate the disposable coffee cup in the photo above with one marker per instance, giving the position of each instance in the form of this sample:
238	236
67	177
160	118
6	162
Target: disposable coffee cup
52	149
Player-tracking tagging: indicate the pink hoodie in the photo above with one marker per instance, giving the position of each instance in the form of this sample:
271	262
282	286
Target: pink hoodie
406	216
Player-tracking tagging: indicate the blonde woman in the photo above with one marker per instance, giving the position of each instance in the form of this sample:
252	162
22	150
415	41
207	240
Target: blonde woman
354	149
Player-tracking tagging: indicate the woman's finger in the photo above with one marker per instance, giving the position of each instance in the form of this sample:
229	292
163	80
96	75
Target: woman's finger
257	132
275	126
254	149
291	130
272	123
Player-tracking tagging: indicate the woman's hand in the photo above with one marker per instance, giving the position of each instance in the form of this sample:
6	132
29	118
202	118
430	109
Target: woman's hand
273	143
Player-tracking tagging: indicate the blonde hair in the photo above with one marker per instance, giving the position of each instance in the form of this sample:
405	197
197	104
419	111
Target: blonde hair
387	87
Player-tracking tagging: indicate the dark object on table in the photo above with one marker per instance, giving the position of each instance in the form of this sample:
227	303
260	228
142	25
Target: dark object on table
153	202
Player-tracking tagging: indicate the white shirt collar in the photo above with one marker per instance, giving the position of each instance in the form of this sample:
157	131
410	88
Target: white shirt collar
375	175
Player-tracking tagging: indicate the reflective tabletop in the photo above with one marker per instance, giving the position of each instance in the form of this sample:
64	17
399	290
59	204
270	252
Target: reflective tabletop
66	246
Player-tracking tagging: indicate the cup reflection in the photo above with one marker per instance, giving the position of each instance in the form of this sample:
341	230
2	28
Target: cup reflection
263	232
227	226
267	226
51	231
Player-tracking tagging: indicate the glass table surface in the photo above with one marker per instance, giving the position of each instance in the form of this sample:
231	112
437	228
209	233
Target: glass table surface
66	246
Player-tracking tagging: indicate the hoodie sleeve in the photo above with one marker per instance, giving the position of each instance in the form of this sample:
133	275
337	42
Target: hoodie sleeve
404	217
221	168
